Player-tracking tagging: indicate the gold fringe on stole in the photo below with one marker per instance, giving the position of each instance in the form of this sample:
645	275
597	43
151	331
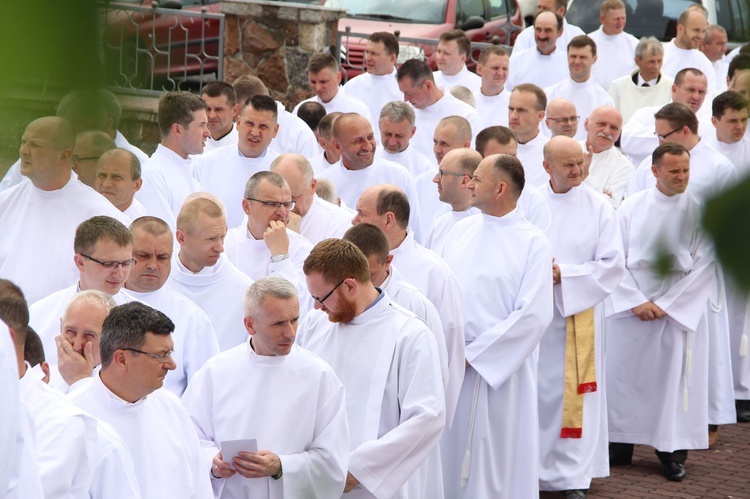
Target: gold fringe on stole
580	371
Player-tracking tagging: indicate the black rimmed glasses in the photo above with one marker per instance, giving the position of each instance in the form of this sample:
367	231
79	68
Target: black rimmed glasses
289	205
452	174
571	119
111	265
664	137
321	300
161	357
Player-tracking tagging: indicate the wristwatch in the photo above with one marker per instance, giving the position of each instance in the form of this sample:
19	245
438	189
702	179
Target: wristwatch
280	257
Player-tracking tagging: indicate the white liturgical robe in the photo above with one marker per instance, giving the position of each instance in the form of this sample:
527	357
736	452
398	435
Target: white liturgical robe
253	257
738	153
38	256
167	181
464	78
229	139
677	59
591	266
610	170
374	91
314	450
532	204
429	117
389	364
122	143
45	316
586	96
629	97
218	291
430	205
11	415
531	66
494	441
224	174
615	56
437	236
294	135
135	210
160	436
531	155
341	103
194	337
657	371
492	109
324	220
414	161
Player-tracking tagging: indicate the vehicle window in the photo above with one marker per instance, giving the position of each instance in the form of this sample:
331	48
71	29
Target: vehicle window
498	8
409	11
469	8
741	15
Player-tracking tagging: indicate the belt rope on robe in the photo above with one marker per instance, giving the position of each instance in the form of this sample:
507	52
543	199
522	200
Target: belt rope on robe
580	370
466	463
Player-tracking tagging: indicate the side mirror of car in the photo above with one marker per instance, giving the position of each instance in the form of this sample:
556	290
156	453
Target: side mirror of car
474	22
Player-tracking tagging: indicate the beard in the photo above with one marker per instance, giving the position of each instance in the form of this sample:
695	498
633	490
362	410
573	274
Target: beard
347	310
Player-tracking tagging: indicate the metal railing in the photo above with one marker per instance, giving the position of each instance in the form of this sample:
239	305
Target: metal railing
148	50
349	50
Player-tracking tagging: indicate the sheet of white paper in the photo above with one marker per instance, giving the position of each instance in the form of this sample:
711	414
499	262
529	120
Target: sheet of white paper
230	448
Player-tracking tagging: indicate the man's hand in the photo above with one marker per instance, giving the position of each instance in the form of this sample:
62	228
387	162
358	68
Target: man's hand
587	161
648	311
555	273
264	463
608	193
276	238
220	469
294	222
74	366
351	482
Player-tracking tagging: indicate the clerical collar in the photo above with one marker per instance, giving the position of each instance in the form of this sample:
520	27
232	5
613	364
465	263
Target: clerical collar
248	157
651	83
218	139
204	271
380	297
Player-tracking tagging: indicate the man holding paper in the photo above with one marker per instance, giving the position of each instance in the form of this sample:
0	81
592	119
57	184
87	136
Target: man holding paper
240	401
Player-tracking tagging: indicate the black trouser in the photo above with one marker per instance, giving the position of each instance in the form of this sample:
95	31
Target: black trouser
624	452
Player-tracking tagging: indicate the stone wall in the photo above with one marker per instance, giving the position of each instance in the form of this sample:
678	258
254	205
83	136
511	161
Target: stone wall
274	41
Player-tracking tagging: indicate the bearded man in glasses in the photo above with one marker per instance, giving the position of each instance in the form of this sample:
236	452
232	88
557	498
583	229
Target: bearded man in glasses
264	245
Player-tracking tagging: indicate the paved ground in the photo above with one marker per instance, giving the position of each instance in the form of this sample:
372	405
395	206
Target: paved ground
722	472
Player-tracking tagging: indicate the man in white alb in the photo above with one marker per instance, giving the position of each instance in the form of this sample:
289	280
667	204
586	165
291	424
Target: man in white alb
194	336
610	171
682	52
118	178
525	39
327	155
391	370
729	118
269	372
103	258
56	202
525	113
615	47
581	88
496	140
136	349
492	449
265	245
561	118
168	174
203	274
397	127
416	81
646	85
311	216
657	321
587	266
377	86
714	46
493	94
452	51
222	109
545	63
90	146
225	171
325	76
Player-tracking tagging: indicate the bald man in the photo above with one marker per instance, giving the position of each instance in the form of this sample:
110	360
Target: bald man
86	153
561	118
610	170
312	217
683	51
55	201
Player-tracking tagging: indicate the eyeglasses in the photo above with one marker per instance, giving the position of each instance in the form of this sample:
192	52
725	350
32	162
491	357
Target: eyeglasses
321	300
664	137
161	358
452	174
78	159
111	265
289	205
571	119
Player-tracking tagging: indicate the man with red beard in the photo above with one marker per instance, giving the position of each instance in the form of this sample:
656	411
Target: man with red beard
610	170
389	364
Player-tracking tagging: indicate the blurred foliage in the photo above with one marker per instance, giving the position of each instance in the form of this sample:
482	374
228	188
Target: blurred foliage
727	220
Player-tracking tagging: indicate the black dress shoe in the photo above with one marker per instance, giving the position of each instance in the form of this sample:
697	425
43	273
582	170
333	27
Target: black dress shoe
743	410
674	471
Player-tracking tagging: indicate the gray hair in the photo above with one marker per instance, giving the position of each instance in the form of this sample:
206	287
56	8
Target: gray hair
648	45
398	111
464	94
253	183
93	296
711	30
327	191
303	166
276	287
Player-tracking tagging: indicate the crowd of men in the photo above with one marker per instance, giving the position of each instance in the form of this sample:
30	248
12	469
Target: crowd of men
424	284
